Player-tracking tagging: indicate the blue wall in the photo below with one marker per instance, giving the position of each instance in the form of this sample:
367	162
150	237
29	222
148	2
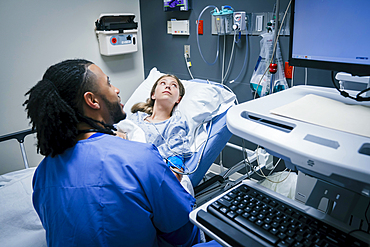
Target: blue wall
166	51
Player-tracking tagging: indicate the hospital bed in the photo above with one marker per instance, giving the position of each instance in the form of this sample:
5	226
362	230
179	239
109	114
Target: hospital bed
205	105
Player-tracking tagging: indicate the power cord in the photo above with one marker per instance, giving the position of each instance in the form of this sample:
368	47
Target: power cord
345	94
188	65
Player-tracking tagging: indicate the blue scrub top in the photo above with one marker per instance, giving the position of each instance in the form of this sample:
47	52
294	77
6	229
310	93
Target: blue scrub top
107	191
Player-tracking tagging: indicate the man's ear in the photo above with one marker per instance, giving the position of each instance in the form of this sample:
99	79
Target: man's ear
91	100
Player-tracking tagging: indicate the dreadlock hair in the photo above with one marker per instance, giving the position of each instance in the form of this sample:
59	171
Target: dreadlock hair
147	106
55	106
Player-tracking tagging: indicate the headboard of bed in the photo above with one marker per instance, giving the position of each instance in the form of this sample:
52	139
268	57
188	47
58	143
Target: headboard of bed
19	136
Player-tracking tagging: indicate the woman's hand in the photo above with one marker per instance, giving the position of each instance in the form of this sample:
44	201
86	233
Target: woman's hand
178	175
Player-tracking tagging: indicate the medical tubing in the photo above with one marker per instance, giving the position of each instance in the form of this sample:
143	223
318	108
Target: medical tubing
278	34
200	157
245	158
277	6
188	67
231	56
263	175
218	40
273	51
223	61
245	58
168	145
292	81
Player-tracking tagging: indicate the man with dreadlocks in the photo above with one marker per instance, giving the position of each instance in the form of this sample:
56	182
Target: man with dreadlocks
94	188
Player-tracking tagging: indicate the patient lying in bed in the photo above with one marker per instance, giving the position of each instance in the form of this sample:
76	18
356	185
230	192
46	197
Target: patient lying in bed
202	102
162	127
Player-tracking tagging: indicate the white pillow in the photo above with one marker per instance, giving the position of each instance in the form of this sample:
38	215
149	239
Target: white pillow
201	102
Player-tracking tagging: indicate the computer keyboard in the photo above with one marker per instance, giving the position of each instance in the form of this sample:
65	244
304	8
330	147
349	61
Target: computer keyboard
246	216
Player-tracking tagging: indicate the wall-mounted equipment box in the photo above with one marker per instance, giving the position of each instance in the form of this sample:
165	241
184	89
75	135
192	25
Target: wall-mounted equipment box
117	34
264	21
178	27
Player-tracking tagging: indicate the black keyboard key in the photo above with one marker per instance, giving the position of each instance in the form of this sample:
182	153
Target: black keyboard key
289	240
290	233
283	244
229	234
224	202
275	224
266	227
274	231
268	220
259	222
246	215
252	219
224	210
232	194
227	198
239	211
281	235
257	230
298	238
231	214
216	204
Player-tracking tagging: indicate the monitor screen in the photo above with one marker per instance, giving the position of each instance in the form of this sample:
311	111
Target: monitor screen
331	34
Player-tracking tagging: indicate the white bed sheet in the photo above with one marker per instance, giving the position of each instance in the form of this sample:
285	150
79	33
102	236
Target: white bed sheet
20	224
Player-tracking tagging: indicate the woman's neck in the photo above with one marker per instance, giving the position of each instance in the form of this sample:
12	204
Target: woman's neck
159	115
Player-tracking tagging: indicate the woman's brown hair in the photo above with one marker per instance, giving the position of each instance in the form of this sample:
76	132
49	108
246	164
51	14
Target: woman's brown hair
147	106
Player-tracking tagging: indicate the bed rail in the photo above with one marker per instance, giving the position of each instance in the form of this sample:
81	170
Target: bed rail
20	135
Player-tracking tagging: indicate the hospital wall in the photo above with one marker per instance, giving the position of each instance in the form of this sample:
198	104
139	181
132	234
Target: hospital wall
166	51
36	34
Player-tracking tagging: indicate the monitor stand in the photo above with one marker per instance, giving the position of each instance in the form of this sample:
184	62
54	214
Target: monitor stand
357	83
338	202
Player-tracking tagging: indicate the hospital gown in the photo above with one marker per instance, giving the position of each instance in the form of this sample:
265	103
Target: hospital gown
95	194
169	136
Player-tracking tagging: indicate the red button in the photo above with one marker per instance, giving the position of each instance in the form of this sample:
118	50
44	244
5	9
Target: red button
114	40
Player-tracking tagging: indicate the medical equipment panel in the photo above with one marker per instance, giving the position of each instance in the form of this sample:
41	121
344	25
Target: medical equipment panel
117	34
223	20
178	27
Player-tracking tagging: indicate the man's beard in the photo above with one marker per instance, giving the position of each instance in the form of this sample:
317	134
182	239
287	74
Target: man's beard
115	110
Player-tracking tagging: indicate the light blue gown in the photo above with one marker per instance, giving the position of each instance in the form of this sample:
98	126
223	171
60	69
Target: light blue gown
170	136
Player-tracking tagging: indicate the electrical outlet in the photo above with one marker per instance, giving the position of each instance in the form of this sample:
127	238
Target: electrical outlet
187	51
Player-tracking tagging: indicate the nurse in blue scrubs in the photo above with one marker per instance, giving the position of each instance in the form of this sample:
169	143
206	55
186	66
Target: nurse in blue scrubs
94	188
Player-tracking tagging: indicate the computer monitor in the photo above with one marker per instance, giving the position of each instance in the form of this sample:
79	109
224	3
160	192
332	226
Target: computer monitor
331	35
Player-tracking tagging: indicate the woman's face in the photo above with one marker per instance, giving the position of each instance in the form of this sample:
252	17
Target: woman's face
167	90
